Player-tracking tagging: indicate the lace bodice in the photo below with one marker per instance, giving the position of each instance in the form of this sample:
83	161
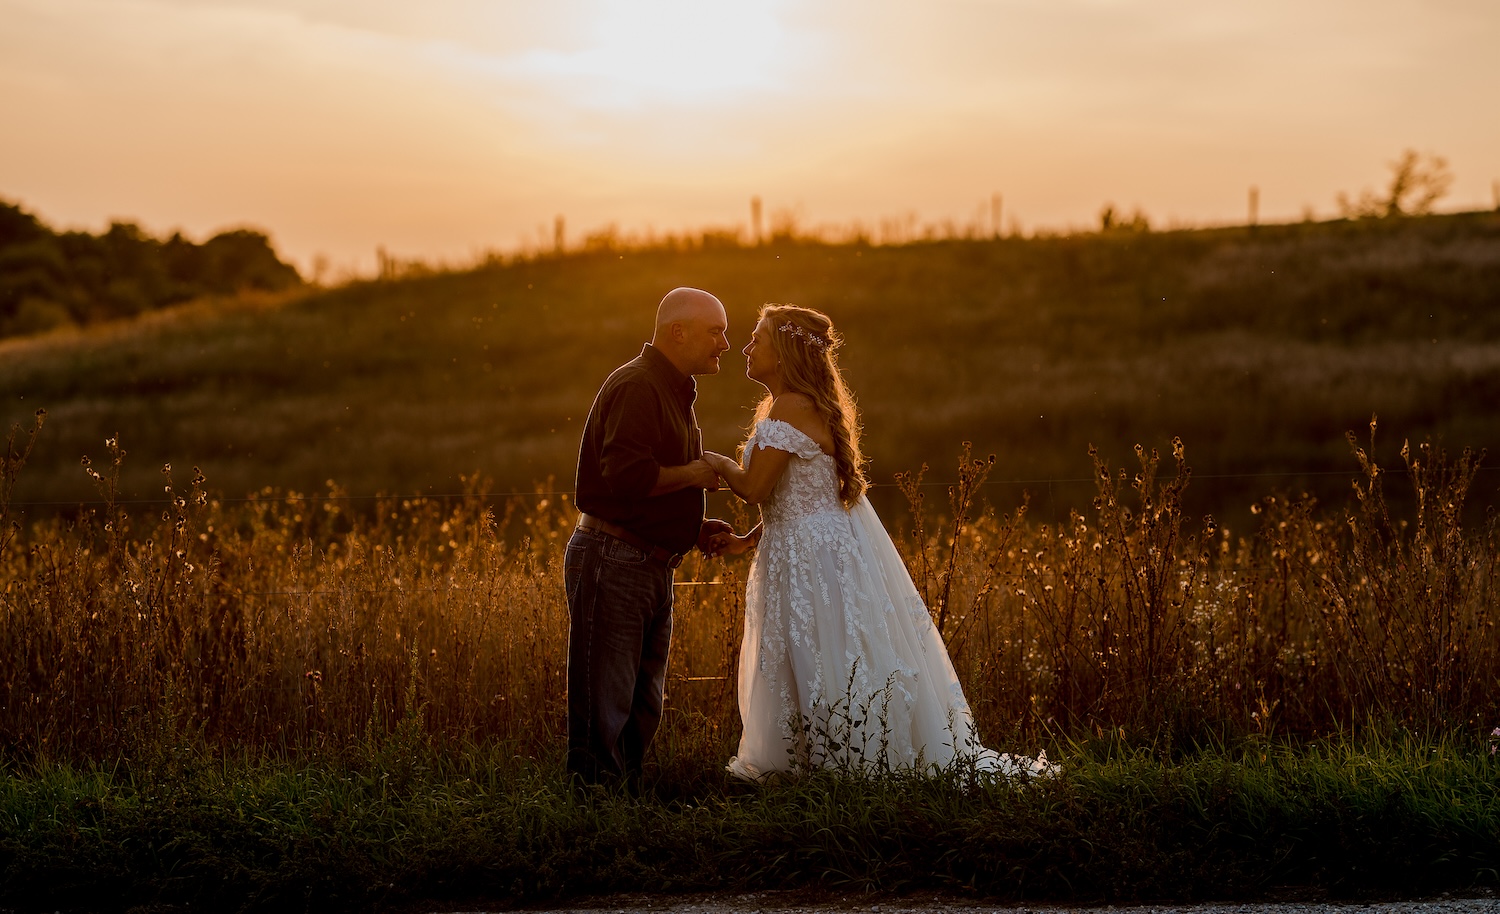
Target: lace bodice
810	485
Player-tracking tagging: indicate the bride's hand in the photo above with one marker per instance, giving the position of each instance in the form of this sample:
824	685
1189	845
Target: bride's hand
719	462
729	544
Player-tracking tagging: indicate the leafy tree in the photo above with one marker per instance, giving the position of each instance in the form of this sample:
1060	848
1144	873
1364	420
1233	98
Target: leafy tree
18	226
47	278
244	259
1417	182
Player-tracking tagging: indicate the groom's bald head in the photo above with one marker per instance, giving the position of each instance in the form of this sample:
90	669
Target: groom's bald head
690	330
684	304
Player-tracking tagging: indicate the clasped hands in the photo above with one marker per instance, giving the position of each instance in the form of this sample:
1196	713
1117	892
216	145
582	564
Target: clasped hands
707	472
717	537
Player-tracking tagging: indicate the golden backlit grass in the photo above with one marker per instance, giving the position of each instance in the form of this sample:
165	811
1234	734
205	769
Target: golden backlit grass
309	622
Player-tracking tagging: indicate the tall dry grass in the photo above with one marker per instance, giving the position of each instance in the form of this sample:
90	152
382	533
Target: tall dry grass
293	622
1133	616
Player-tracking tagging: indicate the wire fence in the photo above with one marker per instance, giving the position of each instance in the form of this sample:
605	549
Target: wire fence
288	497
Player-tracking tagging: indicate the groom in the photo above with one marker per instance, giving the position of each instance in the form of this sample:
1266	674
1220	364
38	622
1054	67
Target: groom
641	479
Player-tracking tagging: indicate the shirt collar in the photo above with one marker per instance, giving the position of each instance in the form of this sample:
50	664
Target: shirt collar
662	367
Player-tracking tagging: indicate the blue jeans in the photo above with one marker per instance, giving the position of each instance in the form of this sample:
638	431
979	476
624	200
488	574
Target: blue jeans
619	632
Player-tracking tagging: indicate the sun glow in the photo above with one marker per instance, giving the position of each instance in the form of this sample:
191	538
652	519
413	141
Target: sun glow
640	51
441	128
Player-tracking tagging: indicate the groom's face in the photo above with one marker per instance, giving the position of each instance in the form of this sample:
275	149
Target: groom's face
705	338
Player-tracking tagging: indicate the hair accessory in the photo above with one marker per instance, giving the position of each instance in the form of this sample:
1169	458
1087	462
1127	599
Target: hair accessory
812	339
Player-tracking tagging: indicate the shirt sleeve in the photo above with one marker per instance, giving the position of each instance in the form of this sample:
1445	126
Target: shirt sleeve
632	422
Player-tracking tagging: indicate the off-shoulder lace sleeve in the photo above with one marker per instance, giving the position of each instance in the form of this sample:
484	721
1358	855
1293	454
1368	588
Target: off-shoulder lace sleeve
784	436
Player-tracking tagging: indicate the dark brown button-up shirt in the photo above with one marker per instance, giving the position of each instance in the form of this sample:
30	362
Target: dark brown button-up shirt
642	420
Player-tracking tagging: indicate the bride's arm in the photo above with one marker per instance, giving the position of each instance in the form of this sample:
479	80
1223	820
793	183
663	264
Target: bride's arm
755	484
768	463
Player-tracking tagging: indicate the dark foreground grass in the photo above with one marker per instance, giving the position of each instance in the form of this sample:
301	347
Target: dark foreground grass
403	827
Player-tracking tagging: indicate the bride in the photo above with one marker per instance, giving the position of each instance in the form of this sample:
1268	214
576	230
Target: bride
841	664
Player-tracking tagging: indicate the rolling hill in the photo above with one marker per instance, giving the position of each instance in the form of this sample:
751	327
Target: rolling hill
1259	347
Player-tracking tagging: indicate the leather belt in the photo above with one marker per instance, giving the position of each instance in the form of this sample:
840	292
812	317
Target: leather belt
656	553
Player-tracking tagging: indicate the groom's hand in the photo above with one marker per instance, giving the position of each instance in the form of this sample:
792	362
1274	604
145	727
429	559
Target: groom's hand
712	527
703	475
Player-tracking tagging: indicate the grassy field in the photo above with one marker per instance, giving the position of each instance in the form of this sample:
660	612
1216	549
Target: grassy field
420	830
282	703
296	623
267	685
1259	348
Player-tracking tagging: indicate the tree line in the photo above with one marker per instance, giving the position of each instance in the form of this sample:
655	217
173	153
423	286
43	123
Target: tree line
50	279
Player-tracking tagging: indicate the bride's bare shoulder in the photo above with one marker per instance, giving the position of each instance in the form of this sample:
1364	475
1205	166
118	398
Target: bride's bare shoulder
799	411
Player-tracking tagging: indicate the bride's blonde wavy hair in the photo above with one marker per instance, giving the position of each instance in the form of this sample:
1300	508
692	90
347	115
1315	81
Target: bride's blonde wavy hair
805	342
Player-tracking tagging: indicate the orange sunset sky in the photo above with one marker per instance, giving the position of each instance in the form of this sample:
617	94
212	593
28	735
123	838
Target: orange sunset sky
443	128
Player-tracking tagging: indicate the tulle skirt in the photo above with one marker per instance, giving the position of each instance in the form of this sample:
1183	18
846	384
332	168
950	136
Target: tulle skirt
841	664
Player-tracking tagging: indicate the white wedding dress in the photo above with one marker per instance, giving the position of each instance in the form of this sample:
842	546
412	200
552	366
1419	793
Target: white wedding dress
842	665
